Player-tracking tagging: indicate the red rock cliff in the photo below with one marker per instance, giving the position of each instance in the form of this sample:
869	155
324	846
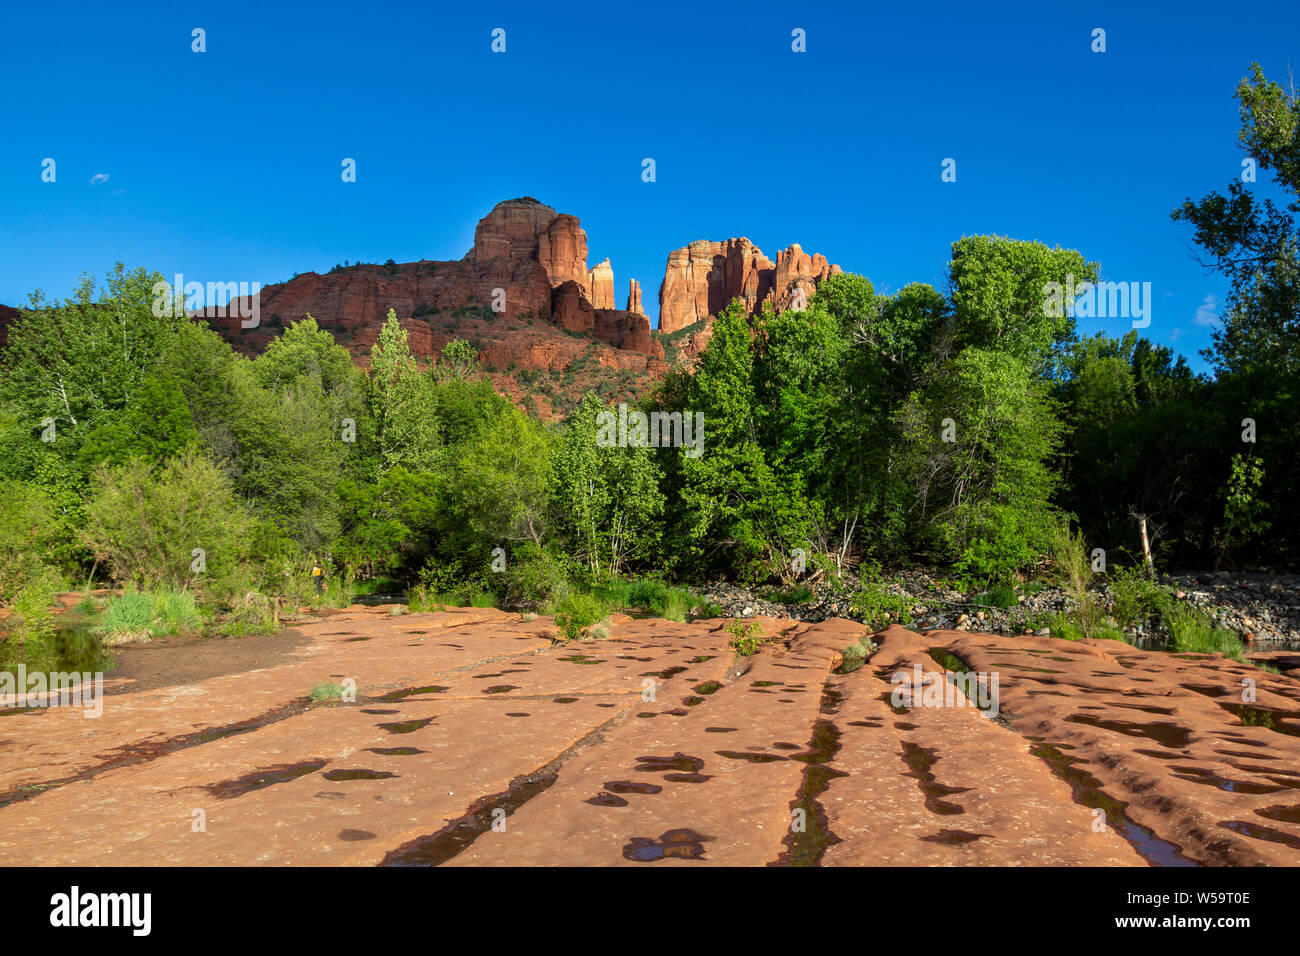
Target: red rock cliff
701	278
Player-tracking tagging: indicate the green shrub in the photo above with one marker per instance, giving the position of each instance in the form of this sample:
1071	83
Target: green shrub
1064	627
422	599
127	618
145	525
174	612
577	613
32	640
253	613
534	579
340	592
877	608
652	596
28	529
1136	599
746	639
1072	568
709	609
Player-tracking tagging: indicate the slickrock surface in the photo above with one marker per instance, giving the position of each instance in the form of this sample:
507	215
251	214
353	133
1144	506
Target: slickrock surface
476	740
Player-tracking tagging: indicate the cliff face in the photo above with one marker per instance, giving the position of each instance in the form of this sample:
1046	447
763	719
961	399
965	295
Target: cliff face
701	278
522	247
601	284
555	314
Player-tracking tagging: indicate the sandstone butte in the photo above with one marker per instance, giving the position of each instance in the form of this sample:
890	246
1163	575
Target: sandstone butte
559	314
655	746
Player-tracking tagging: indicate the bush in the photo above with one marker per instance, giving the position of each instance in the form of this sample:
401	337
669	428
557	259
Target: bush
33	605
534	579
28	527
577	613
856	654
145	525
326	691
1136	599
1072	568
253	613
746	639
877	608
652	596
422	599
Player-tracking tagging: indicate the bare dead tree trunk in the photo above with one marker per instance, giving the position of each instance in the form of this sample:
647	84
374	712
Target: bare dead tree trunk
1146	542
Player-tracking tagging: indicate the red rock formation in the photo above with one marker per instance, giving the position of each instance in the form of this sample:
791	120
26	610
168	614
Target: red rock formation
600	283
621	328
628	331
537	258
522	247
571	310
562	250
701	278
523	230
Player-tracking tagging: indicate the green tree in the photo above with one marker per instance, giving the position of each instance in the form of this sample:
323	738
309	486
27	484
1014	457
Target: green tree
1001	299
980	439
145	526
403	402
607	500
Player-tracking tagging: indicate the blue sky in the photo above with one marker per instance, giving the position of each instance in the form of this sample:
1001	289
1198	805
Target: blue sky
225	165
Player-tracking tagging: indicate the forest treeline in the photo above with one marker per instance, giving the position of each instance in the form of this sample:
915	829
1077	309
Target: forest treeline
961	428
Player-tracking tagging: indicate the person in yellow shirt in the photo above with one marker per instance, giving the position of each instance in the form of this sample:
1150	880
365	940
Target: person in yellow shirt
318	575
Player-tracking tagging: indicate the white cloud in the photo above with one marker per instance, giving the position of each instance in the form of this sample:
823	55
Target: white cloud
1206	316
98	178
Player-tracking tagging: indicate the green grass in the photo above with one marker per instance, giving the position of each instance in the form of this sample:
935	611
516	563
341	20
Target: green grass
326	691
379	585
651	596
421	599
1255	718
142	615
1192	632
856	654
1000	595
1065	627
796	594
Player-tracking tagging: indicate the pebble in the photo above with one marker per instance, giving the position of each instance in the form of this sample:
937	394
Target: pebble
1264	606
